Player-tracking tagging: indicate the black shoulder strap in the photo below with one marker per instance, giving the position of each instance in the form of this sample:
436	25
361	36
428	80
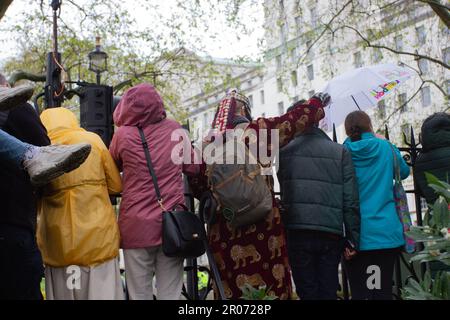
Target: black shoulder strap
150	165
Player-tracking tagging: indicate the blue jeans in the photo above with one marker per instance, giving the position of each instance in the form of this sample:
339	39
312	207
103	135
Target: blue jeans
314	259
12	150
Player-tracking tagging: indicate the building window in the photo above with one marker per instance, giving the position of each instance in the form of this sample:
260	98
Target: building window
309	45
381	109
250	98
278	60
446	55
426	96
249	83
398	43
295	99
279	84
357	59
402	102
405	129
310	72
313	14
283	32
280	108
261	95
294	78
311	93
421	35
377	55
298	25
281	4
423	66
293	55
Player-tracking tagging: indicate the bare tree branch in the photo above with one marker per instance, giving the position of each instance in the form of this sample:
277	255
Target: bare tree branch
416	55
440	9
23	75
4	4
327	26
386	121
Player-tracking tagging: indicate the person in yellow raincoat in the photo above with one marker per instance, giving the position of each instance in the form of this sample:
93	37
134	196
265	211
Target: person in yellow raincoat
77	231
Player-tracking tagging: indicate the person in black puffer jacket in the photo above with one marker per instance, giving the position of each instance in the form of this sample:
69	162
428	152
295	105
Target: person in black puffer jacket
319	196
435	159
435	155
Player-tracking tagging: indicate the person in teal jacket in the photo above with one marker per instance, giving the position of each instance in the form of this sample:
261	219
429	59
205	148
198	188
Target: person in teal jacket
381	230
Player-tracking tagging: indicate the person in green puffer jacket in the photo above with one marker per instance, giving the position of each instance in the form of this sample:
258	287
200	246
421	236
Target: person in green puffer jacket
435	155
319	195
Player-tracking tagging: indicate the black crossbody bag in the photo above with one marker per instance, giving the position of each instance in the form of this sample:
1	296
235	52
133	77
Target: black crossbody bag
183	235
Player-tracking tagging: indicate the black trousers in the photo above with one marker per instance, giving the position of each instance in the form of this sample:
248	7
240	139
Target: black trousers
21	266
314	258
371	273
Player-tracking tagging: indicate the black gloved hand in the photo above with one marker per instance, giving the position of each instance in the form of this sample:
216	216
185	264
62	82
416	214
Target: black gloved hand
323	97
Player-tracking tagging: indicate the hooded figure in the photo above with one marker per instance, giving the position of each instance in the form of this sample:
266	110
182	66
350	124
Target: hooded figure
435	155
140	218
77	223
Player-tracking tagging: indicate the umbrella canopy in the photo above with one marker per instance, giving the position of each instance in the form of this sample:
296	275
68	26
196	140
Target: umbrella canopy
361	89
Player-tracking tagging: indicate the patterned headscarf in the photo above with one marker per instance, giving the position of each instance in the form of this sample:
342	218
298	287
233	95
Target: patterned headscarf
226	111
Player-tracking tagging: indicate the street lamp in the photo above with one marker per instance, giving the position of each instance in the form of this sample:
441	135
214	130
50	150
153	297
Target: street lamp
98	60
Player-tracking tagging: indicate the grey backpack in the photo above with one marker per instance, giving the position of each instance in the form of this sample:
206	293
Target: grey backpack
241	191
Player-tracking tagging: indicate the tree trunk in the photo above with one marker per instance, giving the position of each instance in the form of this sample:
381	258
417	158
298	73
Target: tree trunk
441	10
4	4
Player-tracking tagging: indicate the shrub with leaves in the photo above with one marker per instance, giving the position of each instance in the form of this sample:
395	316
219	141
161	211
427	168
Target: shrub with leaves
435	234
435	237
429	289
252	293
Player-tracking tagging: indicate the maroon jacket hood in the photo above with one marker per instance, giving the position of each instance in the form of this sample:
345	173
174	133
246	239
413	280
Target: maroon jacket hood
141	105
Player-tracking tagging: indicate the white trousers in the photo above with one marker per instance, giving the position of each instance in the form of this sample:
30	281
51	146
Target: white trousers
101	282
140	267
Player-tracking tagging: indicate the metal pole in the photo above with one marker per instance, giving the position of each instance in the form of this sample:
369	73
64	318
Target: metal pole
414	153
334	133
56	4
191	264
98	78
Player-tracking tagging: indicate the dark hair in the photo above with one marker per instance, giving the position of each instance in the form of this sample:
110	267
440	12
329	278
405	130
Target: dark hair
356	123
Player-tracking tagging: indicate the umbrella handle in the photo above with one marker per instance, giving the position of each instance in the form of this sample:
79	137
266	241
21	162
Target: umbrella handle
355	102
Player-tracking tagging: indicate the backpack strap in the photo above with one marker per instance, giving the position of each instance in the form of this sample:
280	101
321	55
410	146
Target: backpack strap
396	165
150	168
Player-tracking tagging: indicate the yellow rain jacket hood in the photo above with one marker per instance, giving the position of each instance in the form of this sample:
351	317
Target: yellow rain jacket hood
77	224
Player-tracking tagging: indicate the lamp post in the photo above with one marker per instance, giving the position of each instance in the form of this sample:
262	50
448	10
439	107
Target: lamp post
98	60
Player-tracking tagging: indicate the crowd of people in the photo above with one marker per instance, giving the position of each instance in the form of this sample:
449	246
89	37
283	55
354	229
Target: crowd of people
337	202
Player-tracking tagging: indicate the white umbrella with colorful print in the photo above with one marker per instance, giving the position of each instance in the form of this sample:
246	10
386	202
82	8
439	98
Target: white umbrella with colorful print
361	89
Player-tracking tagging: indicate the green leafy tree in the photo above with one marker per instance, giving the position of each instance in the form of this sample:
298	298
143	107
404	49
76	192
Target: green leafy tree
136	54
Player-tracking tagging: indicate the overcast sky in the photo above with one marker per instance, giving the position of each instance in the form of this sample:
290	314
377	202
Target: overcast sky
226	46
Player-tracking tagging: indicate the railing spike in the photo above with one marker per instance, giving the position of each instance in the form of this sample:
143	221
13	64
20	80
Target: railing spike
334	133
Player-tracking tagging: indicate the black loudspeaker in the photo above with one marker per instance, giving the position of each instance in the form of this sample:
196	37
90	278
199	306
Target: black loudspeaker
96	102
